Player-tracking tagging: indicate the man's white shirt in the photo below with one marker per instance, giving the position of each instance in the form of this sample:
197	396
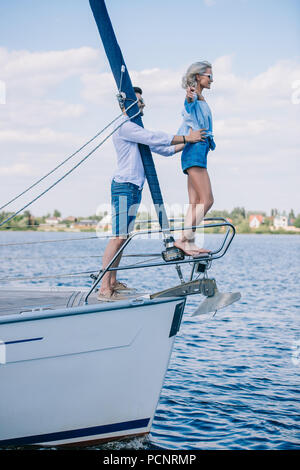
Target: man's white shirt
126	139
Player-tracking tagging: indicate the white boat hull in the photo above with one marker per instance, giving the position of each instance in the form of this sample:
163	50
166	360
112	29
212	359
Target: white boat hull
85	374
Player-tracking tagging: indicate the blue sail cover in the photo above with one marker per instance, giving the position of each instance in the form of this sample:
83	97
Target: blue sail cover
116	60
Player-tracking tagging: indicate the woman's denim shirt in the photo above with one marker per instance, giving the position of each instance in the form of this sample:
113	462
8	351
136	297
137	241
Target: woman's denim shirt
197	115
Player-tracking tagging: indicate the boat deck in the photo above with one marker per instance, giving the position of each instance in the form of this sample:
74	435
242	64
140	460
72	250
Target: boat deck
31	300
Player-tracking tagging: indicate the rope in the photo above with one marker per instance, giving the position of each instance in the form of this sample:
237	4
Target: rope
68	172
64	161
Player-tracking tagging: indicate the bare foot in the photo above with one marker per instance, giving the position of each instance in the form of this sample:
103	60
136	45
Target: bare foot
190	248
201	252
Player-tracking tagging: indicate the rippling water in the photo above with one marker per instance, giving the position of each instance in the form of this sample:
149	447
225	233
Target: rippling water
233	380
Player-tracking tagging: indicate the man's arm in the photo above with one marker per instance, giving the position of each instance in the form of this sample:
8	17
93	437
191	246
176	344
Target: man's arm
179	148
167	150
134	133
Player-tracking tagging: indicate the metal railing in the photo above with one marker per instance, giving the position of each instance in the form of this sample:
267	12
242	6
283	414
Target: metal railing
216	254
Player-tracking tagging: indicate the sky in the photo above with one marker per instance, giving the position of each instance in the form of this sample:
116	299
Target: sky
56	92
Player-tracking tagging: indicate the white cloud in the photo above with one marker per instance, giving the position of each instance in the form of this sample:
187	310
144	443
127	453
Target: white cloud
97	87
15	169
39	112
100	87
2	92
30	115
19	65
239	127
42	136
267	91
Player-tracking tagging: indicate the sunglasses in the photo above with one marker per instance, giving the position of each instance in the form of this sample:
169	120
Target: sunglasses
210	75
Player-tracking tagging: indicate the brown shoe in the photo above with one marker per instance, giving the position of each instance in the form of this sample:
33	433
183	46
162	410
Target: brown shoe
105	296
110	297
122	286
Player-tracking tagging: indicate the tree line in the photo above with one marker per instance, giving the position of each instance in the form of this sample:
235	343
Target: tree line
239	217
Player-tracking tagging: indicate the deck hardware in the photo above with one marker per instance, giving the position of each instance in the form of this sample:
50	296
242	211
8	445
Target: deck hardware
171	253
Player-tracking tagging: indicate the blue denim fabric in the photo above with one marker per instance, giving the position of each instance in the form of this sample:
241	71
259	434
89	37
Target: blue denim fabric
195	155
125	201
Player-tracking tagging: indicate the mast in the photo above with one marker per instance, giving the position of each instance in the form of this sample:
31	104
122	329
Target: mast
117	64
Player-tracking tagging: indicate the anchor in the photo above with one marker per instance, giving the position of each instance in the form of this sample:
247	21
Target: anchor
217	301
214	301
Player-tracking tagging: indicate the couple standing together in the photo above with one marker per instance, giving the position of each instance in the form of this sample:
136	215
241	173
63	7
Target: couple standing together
194	139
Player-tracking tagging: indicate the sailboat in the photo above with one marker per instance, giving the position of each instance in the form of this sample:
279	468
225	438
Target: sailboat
76	371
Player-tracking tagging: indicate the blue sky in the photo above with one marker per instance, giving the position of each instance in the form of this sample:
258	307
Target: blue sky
59	93
155	32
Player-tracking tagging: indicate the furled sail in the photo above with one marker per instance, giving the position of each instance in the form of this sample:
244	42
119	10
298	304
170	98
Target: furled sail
116	61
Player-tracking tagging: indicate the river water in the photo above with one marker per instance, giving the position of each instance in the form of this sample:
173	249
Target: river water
233	380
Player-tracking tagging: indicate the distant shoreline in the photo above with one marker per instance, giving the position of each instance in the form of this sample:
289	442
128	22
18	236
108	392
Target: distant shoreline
91	230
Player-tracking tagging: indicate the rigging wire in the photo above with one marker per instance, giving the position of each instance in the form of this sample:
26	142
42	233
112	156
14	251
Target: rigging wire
68	172
31	258
54	276
66	160
51	241
145	221
100	237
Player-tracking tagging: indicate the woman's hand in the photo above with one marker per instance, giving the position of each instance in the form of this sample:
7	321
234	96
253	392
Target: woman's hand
192	137
195	136
190	91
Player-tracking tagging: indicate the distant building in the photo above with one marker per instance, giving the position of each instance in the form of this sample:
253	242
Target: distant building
53	220
291	222
280	221
85	223
255	220
71	219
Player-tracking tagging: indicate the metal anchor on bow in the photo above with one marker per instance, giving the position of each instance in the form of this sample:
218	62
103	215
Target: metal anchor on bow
215	300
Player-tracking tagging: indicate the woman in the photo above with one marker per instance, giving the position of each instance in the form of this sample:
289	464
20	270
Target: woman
196	115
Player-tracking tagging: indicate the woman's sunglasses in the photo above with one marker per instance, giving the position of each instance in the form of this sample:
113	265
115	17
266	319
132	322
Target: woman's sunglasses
210	75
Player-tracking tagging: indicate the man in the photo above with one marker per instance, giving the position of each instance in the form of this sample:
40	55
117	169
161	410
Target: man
127	186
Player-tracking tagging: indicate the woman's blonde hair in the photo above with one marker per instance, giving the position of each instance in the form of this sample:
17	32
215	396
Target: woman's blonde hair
189	78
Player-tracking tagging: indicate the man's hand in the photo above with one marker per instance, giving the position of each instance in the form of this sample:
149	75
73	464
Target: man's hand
196	136
190	91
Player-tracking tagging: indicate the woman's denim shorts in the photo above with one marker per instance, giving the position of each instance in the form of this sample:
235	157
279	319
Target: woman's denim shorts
194	155
125	201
